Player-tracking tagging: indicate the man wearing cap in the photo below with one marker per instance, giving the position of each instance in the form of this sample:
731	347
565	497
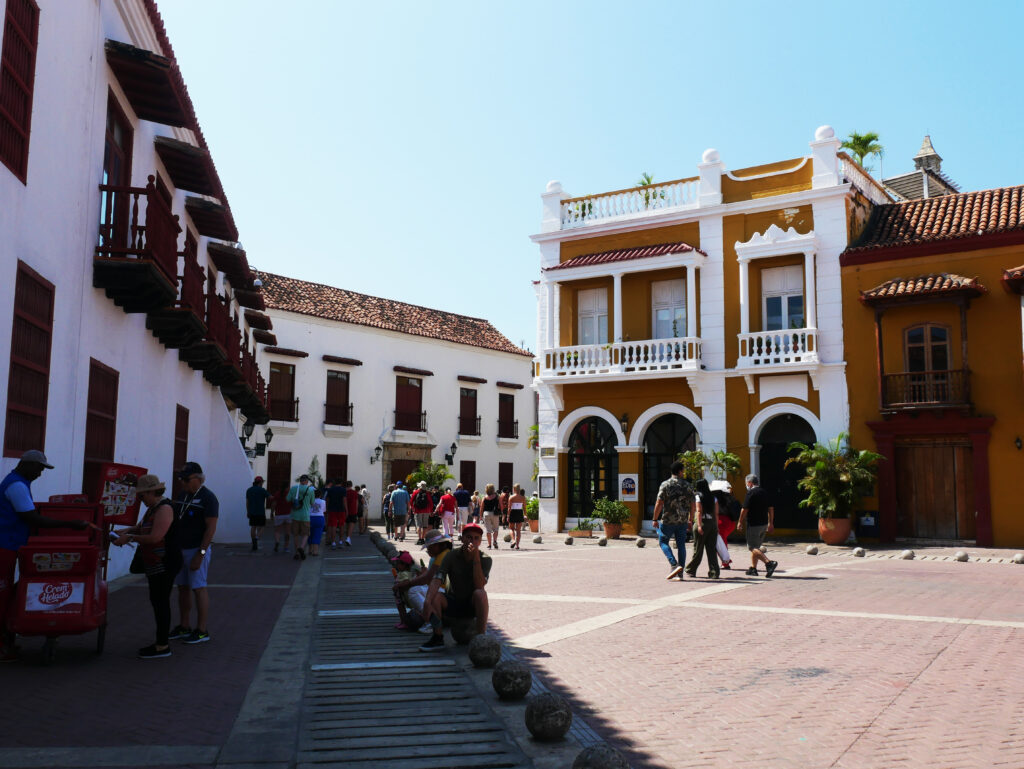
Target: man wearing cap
198	509
256	510
466	571
18	513
399	506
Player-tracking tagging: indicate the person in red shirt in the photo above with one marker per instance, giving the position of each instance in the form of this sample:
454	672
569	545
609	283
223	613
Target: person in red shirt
352	507
446	509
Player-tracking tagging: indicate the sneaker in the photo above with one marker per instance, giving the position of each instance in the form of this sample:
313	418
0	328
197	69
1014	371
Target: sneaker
435	644
180	632
334	546
254	548
151	652
770	568
346	543
197	637
751	572
726	565
676	571
425	628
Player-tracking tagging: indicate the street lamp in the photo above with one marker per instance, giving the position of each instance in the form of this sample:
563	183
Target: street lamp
450	458
268	435
624	422
376	454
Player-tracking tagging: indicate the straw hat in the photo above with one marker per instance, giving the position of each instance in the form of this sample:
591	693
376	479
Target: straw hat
150	483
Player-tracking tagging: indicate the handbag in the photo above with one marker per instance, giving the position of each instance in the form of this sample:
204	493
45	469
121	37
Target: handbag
137	566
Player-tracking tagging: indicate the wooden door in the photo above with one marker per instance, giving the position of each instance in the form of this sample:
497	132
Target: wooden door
934	491
279	470
402	469
467	475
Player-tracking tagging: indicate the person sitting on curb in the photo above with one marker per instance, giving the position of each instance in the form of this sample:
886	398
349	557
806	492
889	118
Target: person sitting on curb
416	587
466	570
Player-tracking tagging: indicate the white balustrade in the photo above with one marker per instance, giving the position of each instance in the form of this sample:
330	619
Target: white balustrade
682	353
862	180
772	348
638	200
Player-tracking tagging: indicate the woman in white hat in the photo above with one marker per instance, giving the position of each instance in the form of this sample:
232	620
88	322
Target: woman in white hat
157	537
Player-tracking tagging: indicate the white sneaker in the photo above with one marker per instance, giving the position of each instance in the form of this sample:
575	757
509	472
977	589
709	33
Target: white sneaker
426	629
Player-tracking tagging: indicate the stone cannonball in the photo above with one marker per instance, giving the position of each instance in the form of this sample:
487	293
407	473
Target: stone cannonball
511	680
603	542
858	552
548	716
812	550
1018	558
484	651
962	556
600	757
569	540
538	540
508	537
907	555
641	542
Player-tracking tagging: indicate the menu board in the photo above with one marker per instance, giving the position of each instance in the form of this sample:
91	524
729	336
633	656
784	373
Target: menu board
117	495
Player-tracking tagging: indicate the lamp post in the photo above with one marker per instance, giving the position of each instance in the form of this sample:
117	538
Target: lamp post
376	454
450	458
247	429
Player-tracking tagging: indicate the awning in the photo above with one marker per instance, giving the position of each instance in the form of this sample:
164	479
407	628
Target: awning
152	83
211	219
189	167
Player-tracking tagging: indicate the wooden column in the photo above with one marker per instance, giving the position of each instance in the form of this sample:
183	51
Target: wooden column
880	358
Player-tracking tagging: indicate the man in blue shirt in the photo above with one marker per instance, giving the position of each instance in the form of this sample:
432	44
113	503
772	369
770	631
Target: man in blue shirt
399	506
17	513
463	501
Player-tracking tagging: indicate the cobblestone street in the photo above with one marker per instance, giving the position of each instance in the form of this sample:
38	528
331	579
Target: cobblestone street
835	662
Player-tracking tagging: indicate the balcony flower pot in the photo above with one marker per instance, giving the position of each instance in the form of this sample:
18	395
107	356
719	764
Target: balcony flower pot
614	514
836	478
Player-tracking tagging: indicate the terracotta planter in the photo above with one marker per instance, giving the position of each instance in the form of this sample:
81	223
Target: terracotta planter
579	533
534	525
834	531
612	530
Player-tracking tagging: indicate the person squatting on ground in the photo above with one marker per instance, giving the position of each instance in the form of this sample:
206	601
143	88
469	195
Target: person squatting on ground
334	496
463	503
466	571
301	496
157	538
416	588
516	513
422	504
490	514
400	507
758	516
317	523
282	517
674	508
705	531
198	509
17	513
446	509
256	510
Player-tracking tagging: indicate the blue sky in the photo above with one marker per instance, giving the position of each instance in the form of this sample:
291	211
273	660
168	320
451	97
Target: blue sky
399	148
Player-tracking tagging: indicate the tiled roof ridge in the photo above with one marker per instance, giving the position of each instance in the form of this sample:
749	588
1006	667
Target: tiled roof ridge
670	244
475	332
626	254
923	284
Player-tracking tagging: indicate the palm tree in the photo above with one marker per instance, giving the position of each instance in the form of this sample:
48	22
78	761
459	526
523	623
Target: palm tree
863	146
646	180
837	476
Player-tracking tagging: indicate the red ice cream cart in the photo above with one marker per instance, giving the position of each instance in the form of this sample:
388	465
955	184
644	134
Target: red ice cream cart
62	583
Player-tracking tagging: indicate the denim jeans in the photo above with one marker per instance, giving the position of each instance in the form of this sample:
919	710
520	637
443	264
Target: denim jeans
665	533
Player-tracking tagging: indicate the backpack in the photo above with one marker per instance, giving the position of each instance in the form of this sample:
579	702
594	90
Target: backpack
423	500
300	496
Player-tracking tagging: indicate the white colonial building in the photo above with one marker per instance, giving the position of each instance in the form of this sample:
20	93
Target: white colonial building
122	323
371	387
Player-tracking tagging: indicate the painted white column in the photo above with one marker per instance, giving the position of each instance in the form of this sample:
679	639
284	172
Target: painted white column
550	289
556	329
691	300
617	312
810	291
744	297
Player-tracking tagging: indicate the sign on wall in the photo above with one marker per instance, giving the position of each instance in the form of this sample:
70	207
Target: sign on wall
628	485
547	451
547	486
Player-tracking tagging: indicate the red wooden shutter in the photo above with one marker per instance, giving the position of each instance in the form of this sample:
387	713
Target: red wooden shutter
506	415
29	376
100	420
336	410
467	475
17	78
467	411
505	475
282	391
408	403
336	467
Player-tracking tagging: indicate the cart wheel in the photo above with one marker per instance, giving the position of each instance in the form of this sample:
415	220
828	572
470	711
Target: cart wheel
101	637
49	651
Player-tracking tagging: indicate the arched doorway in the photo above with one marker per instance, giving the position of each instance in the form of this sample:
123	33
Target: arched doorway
593	466
666	438
780	481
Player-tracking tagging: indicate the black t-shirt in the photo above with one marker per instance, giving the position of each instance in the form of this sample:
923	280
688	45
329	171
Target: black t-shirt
192	514
757	504
335	497
463	498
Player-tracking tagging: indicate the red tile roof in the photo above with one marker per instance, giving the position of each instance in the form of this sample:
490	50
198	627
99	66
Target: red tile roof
946	218
938	285
624	254
320	301
1013	279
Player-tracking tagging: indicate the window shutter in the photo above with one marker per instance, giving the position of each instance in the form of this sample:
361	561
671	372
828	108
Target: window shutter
17	78
29	374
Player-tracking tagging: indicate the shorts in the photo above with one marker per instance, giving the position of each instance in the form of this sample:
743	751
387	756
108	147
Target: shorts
491	523
459	608
755	536
423	520
463	515
336	520
516	516
282	520
257	520
400	519
193	579
416	595
300	528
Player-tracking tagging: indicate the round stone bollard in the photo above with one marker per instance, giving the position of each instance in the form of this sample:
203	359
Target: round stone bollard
907	555
1018	558
641	542
463	631
603	542
538	540
569	540
484	651
812	550
508	537
962	556
858	552
511	680
600	757
548	717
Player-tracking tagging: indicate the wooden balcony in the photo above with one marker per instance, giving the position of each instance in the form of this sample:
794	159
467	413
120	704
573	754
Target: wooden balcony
925	390
182	324
413	421
136	261
213	350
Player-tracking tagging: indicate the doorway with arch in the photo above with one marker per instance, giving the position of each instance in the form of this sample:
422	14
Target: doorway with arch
666	438
780	481
593	466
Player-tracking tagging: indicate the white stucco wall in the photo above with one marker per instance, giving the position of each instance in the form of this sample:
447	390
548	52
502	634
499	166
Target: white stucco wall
372	393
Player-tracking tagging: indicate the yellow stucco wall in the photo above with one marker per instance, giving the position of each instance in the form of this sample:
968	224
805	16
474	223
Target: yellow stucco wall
632	398
685	233
994	347
734	190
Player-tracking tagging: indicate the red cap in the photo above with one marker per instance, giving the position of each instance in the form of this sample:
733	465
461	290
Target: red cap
474	526
258	479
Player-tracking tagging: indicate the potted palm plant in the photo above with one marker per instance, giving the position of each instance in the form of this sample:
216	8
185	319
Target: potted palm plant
837	477
533	513
614	514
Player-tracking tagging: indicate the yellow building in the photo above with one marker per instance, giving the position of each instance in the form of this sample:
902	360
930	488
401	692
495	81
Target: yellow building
932	311
703	312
